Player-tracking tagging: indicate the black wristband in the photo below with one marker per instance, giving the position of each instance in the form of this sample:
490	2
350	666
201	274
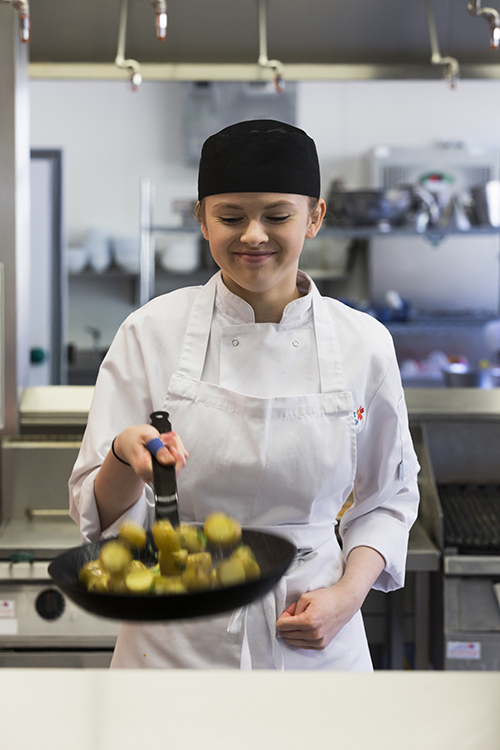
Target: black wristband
116	455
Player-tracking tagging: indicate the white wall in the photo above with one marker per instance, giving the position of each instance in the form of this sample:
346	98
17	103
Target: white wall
348	118
111	137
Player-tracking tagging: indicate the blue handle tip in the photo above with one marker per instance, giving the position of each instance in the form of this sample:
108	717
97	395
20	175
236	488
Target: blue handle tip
154	446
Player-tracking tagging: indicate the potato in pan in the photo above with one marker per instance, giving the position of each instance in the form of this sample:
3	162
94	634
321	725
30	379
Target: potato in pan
183	562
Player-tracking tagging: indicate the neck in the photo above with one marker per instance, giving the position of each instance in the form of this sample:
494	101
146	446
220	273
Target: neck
268	306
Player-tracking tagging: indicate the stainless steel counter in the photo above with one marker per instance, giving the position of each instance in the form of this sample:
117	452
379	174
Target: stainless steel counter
423	555
41	539
453	404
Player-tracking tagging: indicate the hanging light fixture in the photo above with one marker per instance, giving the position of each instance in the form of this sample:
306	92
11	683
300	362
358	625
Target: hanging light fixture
264	61
161	18
24	18
134	68
452	67
491	16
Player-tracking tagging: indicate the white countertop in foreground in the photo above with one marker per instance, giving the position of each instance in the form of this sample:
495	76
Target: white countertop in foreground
219	710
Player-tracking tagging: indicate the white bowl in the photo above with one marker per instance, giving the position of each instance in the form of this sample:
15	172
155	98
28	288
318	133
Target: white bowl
97	244
76	259
181	252
127	254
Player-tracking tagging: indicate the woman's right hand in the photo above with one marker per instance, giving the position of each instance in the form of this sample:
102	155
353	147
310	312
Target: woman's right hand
117	486
130	446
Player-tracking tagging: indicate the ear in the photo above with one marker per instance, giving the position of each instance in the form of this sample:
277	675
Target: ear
204	231
316	219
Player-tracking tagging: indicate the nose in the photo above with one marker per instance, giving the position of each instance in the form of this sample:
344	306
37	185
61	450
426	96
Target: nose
254	234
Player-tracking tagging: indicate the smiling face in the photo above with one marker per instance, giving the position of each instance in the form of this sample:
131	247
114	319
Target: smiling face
256	239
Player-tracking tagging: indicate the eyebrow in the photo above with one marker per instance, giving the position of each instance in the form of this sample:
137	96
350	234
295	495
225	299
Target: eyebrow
268	206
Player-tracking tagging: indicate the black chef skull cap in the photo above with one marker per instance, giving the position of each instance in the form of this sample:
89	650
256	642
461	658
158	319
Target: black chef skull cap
259	156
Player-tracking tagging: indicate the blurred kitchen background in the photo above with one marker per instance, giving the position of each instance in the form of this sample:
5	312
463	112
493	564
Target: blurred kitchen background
410	168
111	138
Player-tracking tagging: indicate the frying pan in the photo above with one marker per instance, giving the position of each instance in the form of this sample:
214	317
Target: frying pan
272	552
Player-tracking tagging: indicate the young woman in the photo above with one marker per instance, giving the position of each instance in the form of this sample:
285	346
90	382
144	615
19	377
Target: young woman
282	402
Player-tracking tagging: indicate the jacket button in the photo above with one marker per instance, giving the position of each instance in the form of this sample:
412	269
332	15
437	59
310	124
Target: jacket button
235	342
295	343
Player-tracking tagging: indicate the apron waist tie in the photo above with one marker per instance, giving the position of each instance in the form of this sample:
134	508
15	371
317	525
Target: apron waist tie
273	603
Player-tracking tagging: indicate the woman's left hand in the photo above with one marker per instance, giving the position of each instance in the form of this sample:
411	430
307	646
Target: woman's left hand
317	617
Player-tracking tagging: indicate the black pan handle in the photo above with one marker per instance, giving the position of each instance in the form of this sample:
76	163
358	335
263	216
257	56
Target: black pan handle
164	477
160	420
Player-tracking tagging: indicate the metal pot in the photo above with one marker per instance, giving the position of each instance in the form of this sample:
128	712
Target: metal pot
468	379
459	375
369	207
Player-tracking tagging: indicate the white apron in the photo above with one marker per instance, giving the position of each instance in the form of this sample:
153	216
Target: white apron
285	464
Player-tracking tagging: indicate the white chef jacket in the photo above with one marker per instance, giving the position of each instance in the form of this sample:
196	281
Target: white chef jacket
135	376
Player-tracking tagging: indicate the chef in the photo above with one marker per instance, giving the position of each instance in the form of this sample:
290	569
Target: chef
284	405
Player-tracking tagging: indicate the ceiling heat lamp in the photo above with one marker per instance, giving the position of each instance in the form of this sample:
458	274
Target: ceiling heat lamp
24	18
491	16
161	19
263	60
452	67
134	68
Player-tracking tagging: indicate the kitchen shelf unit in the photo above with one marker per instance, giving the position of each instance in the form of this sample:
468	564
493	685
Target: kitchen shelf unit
433	235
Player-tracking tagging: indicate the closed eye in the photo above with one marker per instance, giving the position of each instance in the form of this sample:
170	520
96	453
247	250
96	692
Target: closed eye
278	219
229	219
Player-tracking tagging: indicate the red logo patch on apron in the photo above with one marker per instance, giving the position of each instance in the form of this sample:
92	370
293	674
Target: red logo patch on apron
358	415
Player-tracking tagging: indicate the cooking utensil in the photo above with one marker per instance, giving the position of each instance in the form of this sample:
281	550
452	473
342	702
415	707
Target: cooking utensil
272	552
164	479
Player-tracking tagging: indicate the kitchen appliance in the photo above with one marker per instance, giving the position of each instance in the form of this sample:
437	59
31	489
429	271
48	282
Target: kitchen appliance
460	506
464	167
39	625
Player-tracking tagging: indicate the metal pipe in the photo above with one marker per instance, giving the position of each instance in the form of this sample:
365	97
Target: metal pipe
453	68
131	65
263	60
253	72
491	16
23	9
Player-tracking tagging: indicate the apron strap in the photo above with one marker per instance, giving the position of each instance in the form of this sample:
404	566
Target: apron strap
195	344
331	372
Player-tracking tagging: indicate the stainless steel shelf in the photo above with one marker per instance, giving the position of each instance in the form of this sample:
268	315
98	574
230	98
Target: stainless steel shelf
453	404
436	234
